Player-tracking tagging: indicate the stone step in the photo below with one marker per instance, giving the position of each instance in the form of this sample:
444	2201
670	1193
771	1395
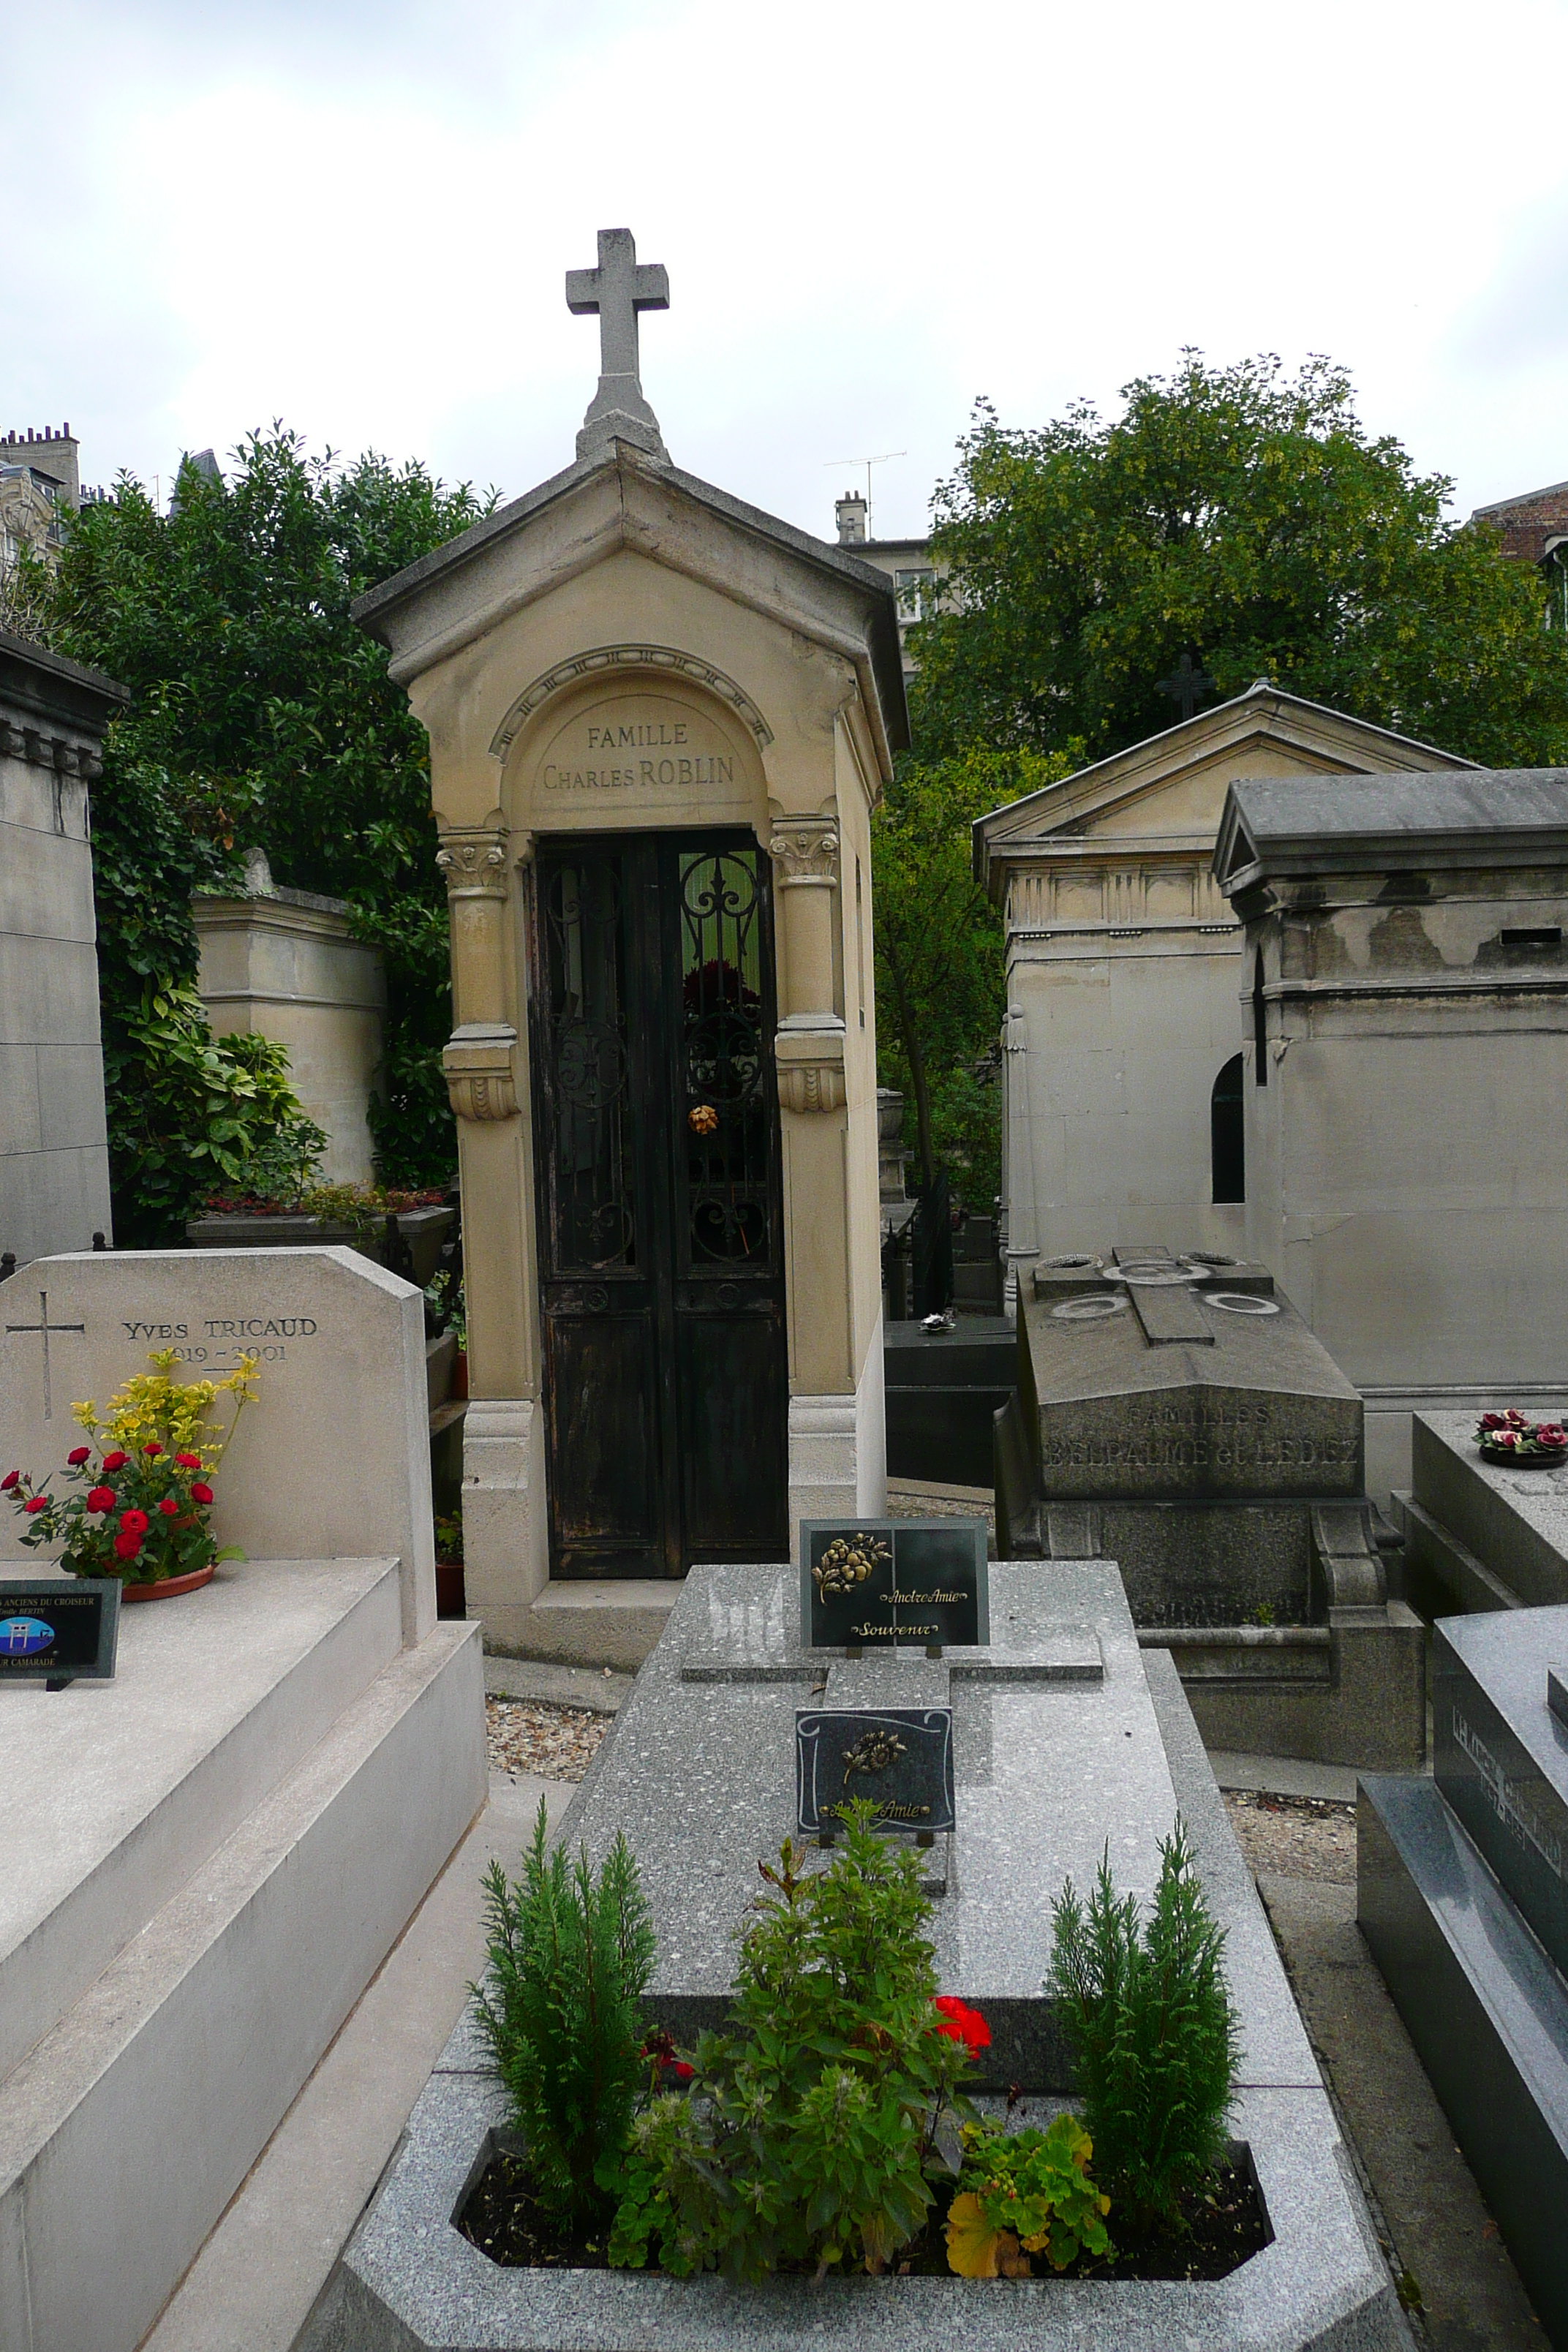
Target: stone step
597	1622
126	2131
114	1794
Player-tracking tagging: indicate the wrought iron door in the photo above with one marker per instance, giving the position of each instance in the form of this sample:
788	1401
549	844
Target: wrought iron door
661	1254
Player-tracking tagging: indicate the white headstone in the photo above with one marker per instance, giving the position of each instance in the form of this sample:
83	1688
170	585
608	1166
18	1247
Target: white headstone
333	1459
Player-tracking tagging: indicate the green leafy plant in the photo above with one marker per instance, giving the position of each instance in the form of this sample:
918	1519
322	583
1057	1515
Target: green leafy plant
141	1511
445	1298
449	1539
261	711
571	1951
187	1110
812	2122
1246	517
1154	2035
1024	2193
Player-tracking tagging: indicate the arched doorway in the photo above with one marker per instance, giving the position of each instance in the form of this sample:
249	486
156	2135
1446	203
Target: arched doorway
1227	1139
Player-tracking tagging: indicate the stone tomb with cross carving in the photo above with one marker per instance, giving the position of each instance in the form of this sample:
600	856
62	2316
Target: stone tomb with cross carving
659	723
1175	1415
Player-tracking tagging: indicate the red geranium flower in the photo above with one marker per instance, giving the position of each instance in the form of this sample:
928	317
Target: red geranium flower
189	1461
168	1507
36	1503
77	1456
11	1479
962	2024
136	1523
126	1545
101	1498
153	1449
200	1494
115	1460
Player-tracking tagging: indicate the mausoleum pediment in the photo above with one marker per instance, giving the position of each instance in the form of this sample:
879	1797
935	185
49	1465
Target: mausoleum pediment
627	502
1168	791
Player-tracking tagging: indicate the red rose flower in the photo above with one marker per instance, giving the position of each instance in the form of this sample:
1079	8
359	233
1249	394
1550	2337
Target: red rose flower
1492	1421
77	1456
136	1523
681	2070
115	1460
101	1498
153	1449
962	2024
189	1461
126	1545
12	1479
200	1494
36	1503
168	1507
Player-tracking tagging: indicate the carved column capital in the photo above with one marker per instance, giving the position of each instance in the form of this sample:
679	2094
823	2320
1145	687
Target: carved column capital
477	1063
805	849
808	1054
474	860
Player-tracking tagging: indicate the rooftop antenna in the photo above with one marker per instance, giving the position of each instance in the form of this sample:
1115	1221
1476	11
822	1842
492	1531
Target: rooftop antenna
886	456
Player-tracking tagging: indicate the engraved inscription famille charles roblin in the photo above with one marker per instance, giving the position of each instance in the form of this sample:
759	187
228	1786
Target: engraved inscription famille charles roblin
668	757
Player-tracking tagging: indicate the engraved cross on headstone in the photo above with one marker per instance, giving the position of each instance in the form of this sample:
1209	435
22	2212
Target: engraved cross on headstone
1186	684
617	290
43	1327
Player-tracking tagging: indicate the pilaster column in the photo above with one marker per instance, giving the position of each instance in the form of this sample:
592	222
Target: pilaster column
809	1047
478	1058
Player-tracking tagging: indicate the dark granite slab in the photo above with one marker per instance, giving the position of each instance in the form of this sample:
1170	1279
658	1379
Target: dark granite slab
1501	1756
1486	2012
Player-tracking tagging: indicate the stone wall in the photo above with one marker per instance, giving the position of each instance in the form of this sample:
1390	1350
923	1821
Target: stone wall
54	1155
285	964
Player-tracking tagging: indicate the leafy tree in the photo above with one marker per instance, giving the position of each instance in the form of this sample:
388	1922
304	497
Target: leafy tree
1248	518
262	714
940	986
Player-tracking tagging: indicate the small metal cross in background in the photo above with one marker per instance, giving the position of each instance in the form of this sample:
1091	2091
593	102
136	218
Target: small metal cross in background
1186	684
43	1327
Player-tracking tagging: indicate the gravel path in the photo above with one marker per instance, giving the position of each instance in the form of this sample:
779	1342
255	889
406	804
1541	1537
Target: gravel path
558	1743
1295	1837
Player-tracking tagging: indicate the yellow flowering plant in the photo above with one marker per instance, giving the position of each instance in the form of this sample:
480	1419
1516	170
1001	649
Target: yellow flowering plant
142	1509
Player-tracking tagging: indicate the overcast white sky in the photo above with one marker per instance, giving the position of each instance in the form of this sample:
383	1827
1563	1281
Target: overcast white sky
356	215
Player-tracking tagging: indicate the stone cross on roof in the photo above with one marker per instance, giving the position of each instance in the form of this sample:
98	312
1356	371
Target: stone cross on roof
617	290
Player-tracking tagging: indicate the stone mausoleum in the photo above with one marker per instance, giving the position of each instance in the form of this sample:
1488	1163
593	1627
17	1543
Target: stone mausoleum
659	723
1404	1035
54	1145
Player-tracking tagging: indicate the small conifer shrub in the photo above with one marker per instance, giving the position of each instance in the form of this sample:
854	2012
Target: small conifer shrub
1153	2036
571	1951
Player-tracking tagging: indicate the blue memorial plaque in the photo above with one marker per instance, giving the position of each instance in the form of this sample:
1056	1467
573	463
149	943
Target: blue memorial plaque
893	1583
58	1629
898	1757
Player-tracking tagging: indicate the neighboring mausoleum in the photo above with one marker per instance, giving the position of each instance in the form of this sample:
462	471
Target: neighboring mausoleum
1177	1416
54	1144
286	964
659	723
1404	1035
1123	1069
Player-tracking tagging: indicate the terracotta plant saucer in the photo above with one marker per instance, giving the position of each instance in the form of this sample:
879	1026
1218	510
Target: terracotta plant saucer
168	1586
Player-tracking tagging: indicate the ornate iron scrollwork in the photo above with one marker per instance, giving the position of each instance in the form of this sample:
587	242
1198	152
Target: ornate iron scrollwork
725	1059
